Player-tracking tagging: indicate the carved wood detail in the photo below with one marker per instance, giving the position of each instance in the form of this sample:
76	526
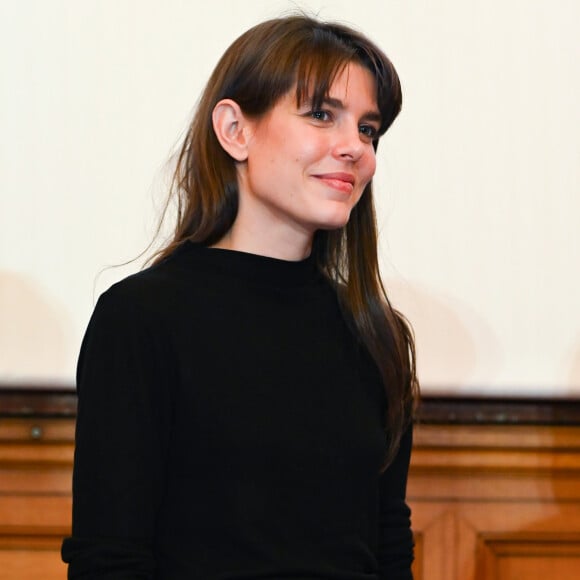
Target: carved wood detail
496	502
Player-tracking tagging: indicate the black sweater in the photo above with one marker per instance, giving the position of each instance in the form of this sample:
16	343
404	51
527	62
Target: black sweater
231	427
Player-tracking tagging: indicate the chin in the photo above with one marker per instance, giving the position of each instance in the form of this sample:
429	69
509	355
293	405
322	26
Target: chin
336	221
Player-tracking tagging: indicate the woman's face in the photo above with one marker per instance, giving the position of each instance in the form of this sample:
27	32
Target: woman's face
306	169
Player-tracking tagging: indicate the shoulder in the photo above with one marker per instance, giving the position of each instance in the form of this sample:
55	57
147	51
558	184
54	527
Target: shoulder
175	281
146	308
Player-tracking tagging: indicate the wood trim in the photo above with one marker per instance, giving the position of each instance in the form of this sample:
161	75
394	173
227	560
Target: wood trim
455	410
61	401
37	401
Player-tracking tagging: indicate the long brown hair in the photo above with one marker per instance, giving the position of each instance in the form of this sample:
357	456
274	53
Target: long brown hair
260	67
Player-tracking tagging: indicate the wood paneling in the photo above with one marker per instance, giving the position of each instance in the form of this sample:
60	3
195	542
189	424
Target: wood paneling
35	495
496	502
495	492
34	558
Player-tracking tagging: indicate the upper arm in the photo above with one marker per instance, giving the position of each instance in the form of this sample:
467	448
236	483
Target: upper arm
123	427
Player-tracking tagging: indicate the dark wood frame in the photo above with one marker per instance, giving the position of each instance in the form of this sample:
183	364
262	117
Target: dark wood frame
60	401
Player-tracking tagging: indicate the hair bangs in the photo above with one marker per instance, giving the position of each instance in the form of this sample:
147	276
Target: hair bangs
317	69
316	72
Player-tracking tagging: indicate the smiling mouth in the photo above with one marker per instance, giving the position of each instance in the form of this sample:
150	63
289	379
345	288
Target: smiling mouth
343	182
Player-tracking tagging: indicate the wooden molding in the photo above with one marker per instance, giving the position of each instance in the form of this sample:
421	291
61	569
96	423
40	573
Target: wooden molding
60	401
468	410
37	401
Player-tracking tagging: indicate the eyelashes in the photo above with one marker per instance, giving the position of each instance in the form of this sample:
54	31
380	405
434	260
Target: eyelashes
326	116
369	131
321	115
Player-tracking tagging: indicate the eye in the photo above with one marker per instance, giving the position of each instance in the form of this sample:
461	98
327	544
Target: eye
320	115
369	131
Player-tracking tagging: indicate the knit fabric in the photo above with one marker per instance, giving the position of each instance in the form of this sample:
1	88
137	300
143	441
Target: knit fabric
230	426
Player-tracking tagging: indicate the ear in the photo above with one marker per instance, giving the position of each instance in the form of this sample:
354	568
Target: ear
231	128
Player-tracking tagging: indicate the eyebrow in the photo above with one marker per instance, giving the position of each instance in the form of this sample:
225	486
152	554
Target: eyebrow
372	115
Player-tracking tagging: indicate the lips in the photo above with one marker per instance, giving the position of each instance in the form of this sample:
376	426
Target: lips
340	181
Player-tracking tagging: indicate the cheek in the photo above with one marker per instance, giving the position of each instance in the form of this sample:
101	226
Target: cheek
308	146
370	166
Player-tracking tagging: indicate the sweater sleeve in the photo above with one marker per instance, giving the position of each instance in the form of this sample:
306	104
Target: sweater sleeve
395	535
122	433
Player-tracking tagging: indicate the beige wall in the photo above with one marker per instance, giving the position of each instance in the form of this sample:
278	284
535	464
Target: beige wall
478	180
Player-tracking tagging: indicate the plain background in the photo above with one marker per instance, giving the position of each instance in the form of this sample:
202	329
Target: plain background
477	185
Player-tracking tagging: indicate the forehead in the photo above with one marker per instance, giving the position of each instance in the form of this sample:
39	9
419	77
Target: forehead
354	79
315	79
351	82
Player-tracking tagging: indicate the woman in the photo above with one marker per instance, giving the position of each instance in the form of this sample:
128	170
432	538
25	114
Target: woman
245	403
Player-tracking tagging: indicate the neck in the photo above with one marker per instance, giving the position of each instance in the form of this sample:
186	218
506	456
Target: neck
271	242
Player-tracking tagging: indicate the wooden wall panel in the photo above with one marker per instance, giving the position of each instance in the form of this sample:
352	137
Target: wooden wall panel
35	496
28	557
433	525
540	557
492	499
500	503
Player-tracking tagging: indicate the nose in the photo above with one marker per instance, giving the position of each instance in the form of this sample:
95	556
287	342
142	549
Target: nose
348	145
